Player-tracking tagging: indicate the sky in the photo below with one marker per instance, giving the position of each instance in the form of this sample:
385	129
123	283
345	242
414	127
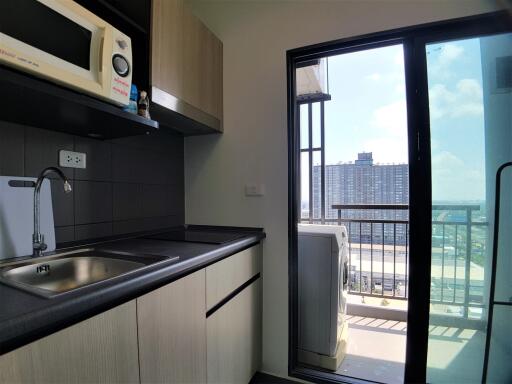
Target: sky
456	120
368	113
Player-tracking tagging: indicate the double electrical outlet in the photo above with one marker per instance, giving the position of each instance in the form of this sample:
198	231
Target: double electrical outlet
70	159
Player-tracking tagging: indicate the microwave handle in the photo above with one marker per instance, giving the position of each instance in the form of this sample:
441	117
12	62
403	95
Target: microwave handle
102	41
105	39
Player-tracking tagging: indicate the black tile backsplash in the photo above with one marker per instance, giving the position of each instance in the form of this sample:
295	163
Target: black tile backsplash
128	164
42	150
127	201
93	202
93	231
65	234
99	160
131	184
12	149
63	204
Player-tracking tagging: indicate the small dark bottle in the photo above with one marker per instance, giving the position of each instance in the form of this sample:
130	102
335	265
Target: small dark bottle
143	107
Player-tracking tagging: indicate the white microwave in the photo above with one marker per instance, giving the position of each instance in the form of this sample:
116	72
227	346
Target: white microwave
63	42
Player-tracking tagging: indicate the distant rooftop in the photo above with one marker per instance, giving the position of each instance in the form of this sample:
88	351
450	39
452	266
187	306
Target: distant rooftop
364	158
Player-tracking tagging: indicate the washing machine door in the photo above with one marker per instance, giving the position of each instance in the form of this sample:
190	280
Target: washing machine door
343	280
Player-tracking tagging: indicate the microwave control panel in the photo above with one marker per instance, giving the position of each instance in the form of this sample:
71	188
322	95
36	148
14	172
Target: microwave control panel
122	68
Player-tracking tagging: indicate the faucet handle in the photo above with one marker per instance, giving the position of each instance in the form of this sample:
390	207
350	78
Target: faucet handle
38	244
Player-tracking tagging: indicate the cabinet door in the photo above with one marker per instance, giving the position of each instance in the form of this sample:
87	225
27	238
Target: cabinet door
167	45
102	349
172	332
186	62
234	338
202	66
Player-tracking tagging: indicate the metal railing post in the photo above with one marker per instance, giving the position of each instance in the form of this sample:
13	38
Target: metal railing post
394	259
467	277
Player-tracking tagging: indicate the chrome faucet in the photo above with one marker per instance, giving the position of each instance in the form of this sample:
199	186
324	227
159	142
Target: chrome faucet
38	244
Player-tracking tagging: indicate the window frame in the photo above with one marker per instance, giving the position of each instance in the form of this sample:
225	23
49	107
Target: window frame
413	39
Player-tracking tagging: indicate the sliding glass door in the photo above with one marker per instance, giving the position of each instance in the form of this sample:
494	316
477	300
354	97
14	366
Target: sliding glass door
470	109
458	264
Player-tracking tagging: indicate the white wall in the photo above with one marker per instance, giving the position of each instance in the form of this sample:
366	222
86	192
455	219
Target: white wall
253	148
498	139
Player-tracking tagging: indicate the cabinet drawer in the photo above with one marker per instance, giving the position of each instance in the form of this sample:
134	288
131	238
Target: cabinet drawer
225	276
234	338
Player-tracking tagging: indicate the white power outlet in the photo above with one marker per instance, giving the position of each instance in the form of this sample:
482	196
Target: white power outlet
71	159
254	190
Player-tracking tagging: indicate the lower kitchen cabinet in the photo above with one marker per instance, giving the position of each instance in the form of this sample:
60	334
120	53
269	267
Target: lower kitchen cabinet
234	338
166	336
172	332
102	349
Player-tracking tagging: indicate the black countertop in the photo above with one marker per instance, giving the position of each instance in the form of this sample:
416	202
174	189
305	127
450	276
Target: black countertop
25	317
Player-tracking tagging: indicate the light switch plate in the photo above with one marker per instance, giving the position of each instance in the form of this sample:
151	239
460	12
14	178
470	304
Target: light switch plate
69	159
254	190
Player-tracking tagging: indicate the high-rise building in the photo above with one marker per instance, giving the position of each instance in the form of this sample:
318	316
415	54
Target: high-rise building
364	182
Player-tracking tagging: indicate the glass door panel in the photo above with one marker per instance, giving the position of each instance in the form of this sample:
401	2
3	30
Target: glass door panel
470	104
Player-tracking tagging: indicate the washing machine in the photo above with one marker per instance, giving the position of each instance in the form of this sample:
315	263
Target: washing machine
322	294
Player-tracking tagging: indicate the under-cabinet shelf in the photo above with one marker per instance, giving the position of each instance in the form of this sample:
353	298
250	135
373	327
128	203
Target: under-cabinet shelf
34	102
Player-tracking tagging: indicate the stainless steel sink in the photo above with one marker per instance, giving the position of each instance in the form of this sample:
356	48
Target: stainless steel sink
53	275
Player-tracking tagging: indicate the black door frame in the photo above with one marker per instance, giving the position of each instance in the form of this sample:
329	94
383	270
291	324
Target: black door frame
413	40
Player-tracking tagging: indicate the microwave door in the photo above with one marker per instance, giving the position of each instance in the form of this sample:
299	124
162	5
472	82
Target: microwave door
50	39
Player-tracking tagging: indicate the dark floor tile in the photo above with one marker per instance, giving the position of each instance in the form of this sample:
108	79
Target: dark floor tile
93	202
98	160
12	147
263	378
42	150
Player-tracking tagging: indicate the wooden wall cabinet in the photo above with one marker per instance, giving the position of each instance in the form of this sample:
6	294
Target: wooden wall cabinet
186	66
172	332
102	349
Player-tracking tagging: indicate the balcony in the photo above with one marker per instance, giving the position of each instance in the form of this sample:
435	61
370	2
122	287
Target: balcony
378	285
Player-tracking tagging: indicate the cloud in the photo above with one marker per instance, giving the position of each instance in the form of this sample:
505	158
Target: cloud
398	59
387	150
444	161
466	99
449	52
453	179
392	118
389	134
374	77
440	60
470	88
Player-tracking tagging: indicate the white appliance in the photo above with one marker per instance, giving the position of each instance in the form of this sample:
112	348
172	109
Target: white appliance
322	294
63	42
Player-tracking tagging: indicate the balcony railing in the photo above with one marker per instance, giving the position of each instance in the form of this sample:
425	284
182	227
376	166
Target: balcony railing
379	253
